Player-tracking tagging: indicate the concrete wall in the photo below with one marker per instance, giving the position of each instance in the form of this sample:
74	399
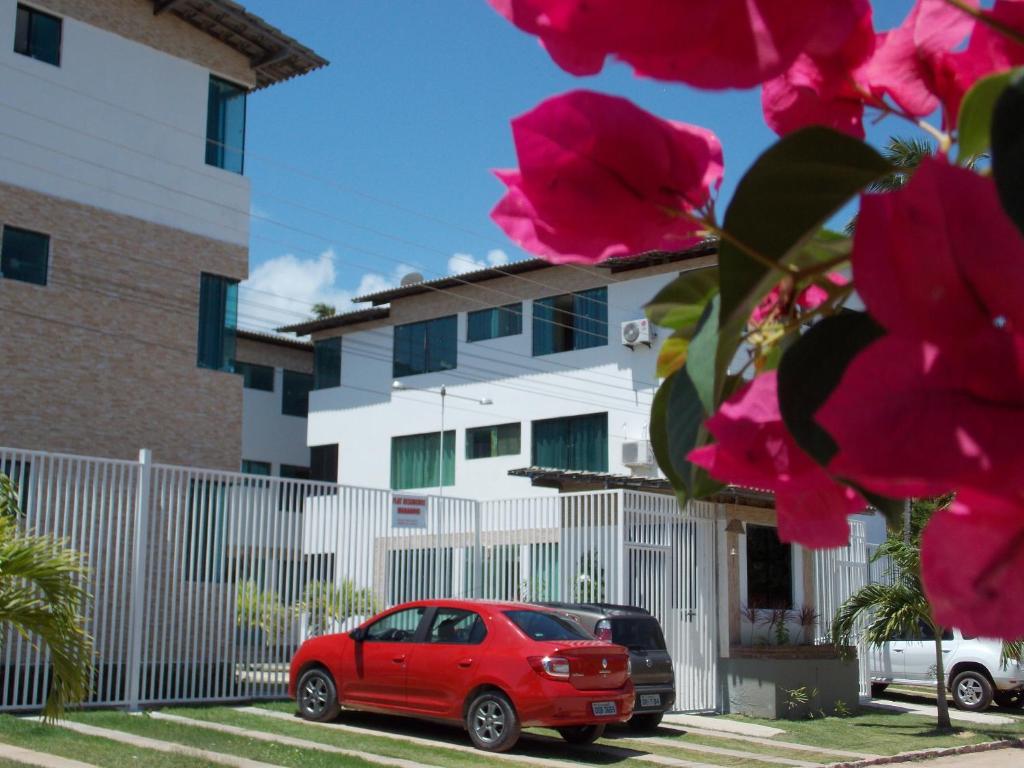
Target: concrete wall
121	125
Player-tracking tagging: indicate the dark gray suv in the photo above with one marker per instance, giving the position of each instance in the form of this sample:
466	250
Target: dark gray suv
651	666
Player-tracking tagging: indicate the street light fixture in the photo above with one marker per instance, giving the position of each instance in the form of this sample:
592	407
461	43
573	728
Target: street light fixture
399	386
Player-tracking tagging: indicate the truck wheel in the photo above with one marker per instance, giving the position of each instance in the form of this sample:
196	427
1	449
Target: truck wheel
582	734
648	722
972	691
492	722
317	696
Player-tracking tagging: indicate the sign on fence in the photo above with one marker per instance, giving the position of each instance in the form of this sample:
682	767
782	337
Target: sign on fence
409	511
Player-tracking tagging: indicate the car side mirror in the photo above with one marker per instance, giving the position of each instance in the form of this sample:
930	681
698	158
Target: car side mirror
358	634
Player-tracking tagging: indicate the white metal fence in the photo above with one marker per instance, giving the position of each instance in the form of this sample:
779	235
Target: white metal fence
203	583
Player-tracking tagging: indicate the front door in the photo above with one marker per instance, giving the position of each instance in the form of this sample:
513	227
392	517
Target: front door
441	671
382	659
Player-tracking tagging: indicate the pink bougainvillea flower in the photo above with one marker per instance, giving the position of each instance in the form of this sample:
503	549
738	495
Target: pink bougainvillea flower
939	401
823	90
709	44
910	61
755	449
811	297
979	593
599	177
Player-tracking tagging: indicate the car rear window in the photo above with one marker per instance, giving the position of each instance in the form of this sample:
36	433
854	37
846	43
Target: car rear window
639	633
538	625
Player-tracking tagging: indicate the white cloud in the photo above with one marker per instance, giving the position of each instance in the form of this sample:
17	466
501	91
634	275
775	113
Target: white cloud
282	290
466	262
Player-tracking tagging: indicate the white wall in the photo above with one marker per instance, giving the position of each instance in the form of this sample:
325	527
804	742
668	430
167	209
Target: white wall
269	435
117	125
363	414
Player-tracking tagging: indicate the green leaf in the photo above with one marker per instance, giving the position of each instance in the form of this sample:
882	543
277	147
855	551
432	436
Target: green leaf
1008	148
680	303
826	245
677	427
660	442
974	125
811	369
781	202
700	361
672	354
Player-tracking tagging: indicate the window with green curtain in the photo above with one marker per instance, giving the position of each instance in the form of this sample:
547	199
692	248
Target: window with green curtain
570	321
497	440
495	322
424	347
327	363
38	35
225	125
24	255
575	442
295	395
218	321
414	460
255	376
250	467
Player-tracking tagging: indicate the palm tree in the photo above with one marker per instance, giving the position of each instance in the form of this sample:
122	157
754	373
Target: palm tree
41	595
898	606
904	155
322	311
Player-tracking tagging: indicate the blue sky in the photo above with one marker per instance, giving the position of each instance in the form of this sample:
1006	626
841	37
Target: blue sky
396	139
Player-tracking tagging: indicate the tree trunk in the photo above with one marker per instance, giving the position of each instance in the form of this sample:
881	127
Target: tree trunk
940	684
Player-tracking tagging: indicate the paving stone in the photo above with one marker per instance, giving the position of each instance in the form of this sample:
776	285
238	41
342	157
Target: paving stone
775	743
40	759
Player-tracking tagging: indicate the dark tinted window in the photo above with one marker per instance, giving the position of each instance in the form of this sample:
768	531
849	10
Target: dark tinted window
256	376
295	398
769	569
24	255
545	626
225	125
643	634
494	323
37	34
327	363
255	467
323	463
424	347
499	440
570	321
456	627
218	320
575	442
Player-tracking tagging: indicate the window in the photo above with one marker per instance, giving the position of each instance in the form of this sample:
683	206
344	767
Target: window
327	363
225	126
290	496
425	347
204	534
414	460
292	472
218	319
37	34
255	467
24	255
495	323
638	633
256	376
499	440
457	627
295	397
576	442
323	463
769	569
398	627
570	321
540	626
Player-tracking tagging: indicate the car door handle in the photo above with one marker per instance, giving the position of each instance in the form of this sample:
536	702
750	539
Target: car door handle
947	650
399	659
465	663
897	650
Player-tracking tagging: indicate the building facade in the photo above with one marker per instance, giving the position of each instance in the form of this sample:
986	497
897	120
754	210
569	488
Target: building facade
124	217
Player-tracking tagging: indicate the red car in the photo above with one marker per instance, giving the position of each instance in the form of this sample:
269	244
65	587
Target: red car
494	667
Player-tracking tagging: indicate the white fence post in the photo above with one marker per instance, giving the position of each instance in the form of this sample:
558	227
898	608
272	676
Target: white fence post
478	553
140	546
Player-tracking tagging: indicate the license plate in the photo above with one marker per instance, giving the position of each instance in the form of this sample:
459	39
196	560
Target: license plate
650	700
604	708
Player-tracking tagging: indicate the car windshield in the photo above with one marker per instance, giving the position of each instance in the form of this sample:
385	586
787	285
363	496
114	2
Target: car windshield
538	625
643	634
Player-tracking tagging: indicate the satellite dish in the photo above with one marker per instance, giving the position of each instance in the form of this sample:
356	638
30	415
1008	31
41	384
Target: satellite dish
412	278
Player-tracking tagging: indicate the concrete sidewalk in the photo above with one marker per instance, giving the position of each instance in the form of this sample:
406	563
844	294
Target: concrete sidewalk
996	758
978	718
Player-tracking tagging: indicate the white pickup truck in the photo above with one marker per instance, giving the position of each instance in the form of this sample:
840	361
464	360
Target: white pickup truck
974	674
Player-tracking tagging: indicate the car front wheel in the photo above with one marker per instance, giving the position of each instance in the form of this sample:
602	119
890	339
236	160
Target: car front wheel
317	696
647	722
972	691
582	734
492	722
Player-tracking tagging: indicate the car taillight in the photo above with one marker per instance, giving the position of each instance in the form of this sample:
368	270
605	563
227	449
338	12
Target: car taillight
603	631
555	667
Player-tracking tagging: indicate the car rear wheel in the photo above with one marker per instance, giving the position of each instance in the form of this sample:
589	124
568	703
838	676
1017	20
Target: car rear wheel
492	722
877	689
1009	699
582	734
648	722
317	696
972	691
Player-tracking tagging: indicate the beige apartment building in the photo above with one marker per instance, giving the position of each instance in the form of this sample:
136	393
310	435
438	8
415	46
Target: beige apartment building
124	221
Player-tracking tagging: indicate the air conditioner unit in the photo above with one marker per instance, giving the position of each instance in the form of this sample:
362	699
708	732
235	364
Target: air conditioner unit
637	453
636	332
